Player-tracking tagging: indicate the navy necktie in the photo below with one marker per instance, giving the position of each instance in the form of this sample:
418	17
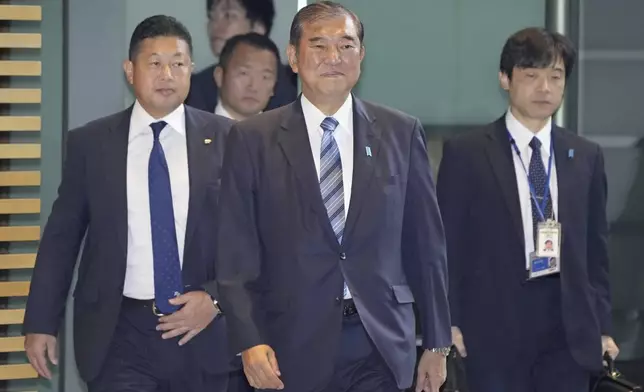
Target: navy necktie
167	268
538	179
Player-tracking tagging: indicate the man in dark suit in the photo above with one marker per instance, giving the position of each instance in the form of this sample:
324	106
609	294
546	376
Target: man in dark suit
525	326
226	19
330	230
140	186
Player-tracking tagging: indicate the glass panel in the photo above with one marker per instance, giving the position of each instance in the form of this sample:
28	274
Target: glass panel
610	96
438	60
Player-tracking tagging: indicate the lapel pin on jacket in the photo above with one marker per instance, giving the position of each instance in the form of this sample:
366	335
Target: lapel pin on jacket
368	151
207	141
571	153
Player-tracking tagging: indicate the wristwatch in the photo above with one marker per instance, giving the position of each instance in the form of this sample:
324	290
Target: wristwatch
217	308
443	350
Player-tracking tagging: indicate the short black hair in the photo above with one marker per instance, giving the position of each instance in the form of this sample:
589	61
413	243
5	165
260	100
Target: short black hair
158	26
321	10
257	11
536	47
258	41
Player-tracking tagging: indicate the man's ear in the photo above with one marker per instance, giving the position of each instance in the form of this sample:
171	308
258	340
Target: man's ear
504	81
128	68
219	76
291	54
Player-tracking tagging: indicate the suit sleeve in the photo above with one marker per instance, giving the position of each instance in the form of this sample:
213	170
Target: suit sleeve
59	246
238	263
423	247
453	202
598	244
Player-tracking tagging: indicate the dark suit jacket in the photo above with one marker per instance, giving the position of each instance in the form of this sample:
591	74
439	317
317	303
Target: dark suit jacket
478	196
92	202
280	268
204	92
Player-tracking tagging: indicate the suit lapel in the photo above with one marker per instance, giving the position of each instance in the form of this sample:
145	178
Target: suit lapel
499	153
197	166
565	176
366	137
294	141
115	161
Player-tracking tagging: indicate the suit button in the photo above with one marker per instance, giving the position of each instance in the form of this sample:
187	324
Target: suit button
343	256
337	300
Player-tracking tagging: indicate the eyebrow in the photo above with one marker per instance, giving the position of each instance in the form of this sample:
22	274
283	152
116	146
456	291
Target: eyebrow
176	54
345	37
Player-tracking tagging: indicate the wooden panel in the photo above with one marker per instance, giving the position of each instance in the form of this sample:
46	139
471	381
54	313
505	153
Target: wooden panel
20	12
19	151
20	95
12	345
19	178
12	316
19	40
19	206
14	289
20	68
17	372
20	123
17	261
19	233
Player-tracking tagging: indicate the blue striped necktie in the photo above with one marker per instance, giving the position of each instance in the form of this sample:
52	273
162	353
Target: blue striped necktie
165	252
331	184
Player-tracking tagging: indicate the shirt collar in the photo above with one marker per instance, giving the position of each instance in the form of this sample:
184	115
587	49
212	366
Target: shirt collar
522	135
344	115
140	120
221	110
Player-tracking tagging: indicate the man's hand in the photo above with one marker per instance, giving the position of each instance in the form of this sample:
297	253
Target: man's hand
432	371
609	346
261	369
457	340
197	312
36	345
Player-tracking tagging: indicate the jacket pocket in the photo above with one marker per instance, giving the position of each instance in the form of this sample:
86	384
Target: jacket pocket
403	294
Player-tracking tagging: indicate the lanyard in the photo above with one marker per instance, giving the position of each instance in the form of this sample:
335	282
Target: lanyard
541	207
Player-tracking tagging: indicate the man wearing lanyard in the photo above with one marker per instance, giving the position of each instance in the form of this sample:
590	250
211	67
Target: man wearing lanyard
534	313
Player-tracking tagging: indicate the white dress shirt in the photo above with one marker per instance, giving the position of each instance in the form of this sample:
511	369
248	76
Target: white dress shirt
222	111
139	275
522	137
343	135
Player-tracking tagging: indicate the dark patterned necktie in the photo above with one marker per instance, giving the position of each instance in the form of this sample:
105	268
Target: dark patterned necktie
538	179
167	268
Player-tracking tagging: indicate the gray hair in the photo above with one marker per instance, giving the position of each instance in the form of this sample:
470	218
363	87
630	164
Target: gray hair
321	10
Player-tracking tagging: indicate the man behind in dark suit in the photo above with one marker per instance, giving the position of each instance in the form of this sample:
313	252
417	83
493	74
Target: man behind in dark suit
246	75
226	19
140	186
330	230
521	332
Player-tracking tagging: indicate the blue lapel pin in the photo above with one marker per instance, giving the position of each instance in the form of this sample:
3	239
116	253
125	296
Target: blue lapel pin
571	153
368	151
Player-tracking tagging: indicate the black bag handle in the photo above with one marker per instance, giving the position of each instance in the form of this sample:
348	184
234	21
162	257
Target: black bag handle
610	366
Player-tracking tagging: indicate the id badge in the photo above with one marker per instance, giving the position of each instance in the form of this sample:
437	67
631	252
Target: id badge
543	266
548	239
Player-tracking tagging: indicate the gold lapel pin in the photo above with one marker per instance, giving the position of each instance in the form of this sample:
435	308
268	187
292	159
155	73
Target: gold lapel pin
207	141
